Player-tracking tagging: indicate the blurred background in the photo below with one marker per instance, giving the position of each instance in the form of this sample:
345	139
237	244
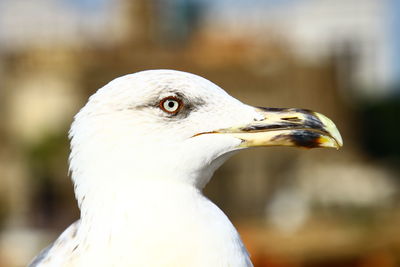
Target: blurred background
293	207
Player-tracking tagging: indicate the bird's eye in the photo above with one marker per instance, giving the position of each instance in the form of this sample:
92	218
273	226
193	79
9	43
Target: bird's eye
171	105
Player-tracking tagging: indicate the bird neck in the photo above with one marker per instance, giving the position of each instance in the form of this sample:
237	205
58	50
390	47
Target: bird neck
126	201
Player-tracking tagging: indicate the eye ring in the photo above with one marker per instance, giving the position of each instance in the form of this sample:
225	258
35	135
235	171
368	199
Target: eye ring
171	105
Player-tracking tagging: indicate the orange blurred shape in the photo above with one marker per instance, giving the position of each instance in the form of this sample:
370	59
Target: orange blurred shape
263	260
379	259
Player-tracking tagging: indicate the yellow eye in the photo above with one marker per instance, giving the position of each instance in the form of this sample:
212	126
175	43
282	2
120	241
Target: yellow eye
171	105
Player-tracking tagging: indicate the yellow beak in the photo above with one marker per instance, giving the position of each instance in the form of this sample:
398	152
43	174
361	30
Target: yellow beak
287	127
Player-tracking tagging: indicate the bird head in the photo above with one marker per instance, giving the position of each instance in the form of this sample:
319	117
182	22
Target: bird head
179	127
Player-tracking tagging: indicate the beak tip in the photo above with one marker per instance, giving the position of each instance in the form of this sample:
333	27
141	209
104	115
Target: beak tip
332	130
330	141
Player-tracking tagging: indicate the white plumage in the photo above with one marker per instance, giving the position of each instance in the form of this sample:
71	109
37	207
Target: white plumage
139	166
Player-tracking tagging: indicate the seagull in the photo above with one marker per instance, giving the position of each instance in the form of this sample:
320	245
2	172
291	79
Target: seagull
143	148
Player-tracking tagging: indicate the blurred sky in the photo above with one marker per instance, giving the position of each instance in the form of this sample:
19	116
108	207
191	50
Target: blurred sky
227	6
89	5
394	28
95	20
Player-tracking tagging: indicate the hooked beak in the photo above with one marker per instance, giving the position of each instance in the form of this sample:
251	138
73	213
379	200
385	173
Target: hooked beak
286	127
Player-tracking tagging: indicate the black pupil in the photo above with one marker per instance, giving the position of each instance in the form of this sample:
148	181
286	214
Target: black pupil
171	104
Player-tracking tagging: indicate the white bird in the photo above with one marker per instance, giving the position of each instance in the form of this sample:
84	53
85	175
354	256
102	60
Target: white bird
142	150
